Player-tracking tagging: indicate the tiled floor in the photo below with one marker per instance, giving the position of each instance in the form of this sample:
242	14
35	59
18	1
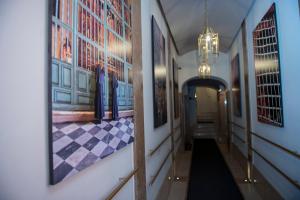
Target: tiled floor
183	159
78	145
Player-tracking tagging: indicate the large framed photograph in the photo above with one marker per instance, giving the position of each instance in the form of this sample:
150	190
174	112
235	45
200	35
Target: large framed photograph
236	86
175	89
90	83
159	75
267	70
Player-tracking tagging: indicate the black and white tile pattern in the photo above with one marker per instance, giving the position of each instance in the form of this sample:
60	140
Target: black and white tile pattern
79	145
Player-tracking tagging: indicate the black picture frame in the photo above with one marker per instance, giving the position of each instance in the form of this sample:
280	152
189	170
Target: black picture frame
159	71
236	86
299	6
175	88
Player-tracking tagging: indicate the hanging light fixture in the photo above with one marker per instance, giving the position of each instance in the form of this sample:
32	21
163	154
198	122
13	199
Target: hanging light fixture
208	47
204	69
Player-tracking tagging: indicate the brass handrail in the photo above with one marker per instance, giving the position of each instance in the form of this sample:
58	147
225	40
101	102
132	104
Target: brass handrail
177	127
293	153
235	124
238	137
159	145
121	185
295	183
160	167
177	140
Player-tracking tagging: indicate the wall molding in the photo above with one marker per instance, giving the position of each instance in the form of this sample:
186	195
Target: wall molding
81	116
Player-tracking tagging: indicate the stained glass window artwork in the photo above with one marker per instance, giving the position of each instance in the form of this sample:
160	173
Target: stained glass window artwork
116	67
96	43
267	70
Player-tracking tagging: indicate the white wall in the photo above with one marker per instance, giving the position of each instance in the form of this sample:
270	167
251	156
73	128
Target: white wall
23	117
289	45
154	136
189	64
206	101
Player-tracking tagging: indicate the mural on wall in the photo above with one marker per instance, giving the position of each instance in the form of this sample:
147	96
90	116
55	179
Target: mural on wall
236	86
91	83
159	75
175	89
267	70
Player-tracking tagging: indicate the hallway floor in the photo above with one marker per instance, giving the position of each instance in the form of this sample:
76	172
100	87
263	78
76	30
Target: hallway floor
210	177
179	187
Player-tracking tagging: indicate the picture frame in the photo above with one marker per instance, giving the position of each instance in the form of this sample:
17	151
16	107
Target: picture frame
267	70
175	88
90	85
236	86
159	70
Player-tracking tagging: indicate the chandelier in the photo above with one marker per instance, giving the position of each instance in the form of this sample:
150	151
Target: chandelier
204	69
208	47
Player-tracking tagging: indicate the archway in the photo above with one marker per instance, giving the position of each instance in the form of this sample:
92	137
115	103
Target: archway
218	118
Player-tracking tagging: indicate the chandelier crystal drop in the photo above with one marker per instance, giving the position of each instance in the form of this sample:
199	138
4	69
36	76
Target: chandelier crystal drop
208	47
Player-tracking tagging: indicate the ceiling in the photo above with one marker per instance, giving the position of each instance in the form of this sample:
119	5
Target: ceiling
186	20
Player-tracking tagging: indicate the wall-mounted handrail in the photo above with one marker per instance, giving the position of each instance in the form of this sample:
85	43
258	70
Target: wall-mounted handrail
177	139
177	127
121	185
160	167
238	137
293	153
295	183
237	125
152	152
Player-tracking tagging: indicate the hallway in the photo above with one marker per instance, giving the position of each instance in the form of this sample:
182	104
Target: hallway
149	99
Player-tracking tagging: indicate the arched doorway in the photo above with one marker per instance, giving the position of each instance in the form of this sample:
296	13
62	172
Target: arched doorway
205	111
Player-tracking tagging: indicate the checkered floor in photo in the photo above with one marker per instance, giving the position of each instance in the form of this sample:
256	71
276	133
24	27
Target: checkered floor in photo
79	145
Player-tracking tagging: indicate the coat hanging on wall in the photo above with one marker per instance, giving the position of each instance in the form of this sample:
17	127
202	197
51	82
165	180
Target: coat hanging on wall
99	98
115	110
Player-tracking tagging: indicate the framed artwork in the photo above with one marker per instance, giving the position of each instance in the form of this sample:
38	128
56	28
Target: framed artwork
299	6
175	89
159	75
90	83
236	86
267	70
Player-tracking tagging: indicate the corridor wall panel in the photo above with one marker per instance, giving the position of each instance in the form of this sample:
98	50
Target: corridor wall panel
237	48
288	26
24	120
153	136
